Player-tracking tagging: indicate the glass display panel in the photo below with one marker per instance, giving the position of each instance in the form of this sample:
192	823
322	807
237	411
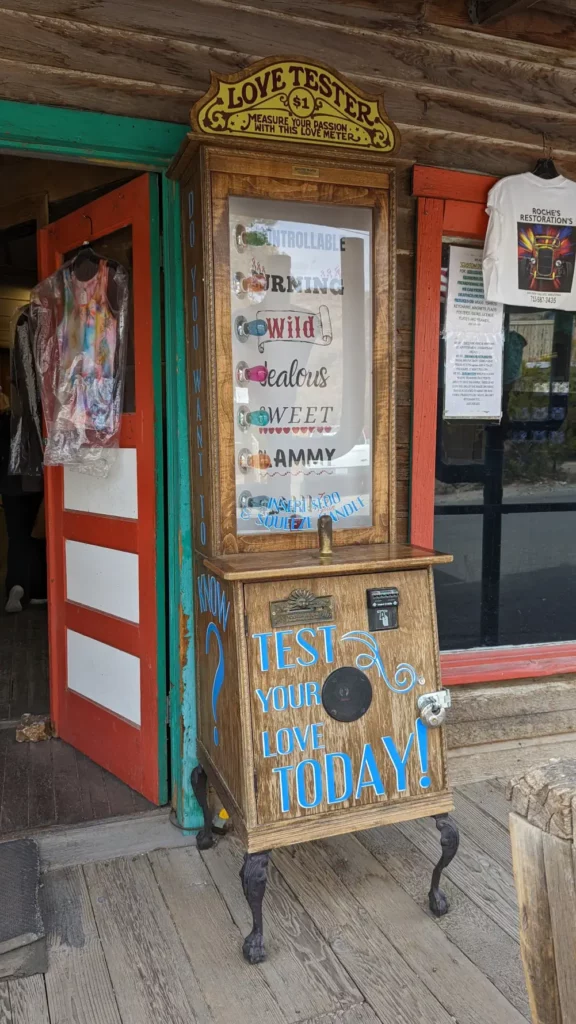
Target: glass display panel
505	501
301	336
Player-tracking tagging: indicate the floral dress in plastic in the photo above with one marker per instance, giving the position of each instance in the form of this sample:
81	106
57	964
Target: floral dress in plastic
80	350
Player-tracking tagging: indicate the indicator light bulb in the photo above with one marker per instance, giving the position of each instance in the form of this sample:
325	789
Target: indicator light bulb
249	328
257	374
258	418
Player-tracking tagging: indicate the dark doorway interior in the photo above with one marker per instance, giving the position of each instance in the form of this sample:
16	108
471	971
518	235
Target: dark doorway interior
47	782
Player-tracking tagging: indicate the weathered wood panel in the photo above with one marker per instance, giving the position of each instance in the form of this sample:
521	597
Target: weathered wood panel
457	984
506	758
303	973
78	983
485	943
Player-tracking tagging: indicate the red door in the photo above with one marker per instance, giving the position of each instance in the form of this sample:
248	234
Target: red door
106	697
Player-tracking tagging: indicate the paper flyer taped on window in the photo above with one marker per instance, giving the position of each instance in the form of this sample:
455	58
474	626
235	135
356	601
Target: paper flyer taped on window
474	341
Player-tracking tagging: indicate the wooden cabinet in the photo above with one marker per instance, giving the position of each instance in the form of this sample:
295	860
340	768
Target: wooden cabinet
309	722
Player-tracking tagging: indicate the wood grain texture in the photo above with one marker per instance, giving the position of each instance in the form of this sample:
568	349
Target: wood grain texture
198	368
78	983
480	876
507	757
177	53
426	355
546	796
364	950
517	727
305	975
349	559
28	1001
150	972
485	943
489	798
102	840
211	940
513	700
490	835
560	870
306	829
391	713
536	940
5	1007
217	623
457	984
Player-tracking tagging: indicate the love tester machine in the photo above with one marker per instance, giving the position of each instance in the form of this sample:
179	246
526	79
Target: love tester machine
320	706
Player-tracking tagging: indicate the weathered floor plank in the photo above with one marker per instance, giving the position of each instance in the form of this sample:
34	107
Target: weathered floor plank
303	973
5	1008
28	1000
487	945
78	982
393	990
212	941
488	833
151	974
457	984
486	882
490	797
361	1014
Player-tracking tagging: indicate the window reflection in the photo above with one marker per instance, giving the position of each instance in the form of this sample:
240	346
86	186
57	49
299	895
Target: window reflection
505	497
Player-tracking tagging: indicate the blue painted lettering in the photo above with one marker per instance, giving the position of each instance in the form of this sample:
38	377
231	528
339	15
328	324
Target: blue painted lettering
279	698
282	772
328	632
398	762
262	639
330	761
284	741
317	784
369	767
306	646
281	649
313	695
317	736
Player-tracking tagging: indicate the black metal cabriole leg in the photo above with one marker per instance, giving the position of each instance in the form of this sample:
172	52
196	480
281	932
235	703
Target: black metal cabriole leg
449	841
254	875
199	779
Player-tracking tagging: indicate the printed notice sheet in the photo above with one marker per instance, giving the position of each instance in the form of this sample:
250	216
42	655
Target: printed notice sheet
474	341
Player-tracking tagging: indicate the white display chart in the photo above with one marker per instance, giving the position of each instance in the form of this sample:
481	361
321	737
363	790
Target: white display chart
301	324
474	340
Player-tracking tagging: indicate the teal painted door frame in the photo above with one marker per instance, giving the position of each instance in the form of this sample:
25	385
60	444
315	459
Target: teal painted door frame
149	146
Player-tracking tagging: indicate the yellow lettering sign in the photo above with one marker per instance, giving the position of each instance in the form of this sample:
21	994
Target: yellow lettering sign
296	101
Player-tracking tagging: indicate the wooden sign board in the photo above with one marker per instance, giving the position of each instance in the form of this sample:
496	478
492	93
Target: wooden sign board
294	101
309	730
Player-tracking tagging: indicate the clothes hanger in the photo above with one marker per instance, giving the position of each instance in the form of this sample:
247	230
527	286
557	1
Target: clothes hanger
85	263
545	166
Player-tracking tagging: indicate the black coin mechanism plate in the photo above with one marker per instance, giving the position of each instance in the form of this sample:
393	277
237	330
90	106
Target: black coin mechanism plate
346	694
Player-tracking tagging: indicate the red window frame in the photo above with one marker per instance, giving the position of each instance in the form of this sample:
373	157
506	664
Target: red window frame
452	203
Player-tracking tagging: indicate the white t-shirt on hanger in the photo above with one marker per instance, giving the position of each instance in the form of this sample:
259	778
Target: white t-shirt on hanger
530	247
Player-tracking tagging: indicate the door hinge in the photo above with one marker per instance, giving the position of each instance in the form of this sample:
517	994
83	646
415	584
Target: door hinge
255	784
245	625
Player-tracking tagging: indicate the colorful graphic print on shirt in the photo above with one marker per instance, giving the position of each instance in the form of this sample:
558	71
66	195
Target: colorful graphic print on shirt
545	257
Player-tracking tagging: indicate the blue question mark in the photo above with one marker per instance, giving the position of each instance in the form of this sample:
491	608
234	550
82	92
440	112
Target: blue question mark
219	674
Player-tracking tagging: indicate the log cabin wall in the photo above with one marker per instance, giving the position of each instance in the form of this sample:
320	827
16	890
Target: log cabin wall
463	96
470	97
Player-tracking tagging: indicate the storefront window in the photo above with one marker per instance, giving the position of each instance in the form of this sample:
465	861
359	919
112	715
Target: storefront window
505	493
301	337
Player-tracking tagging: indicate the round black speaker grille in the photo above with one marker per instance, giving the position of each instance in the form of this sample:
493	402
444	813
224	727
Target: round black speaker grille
347	694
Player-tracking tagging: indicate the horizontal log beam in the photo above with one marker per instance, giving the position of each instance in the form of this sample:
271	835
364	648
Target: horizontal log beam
486	12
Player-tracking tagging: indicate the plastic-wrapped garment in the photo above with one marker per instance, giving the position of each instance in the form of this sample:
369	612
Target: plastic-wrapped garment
80	318
26	453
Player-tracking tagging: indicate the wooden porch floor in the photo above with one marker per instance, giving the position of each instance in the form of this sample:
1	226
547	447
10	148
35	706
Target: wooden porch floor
155	939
